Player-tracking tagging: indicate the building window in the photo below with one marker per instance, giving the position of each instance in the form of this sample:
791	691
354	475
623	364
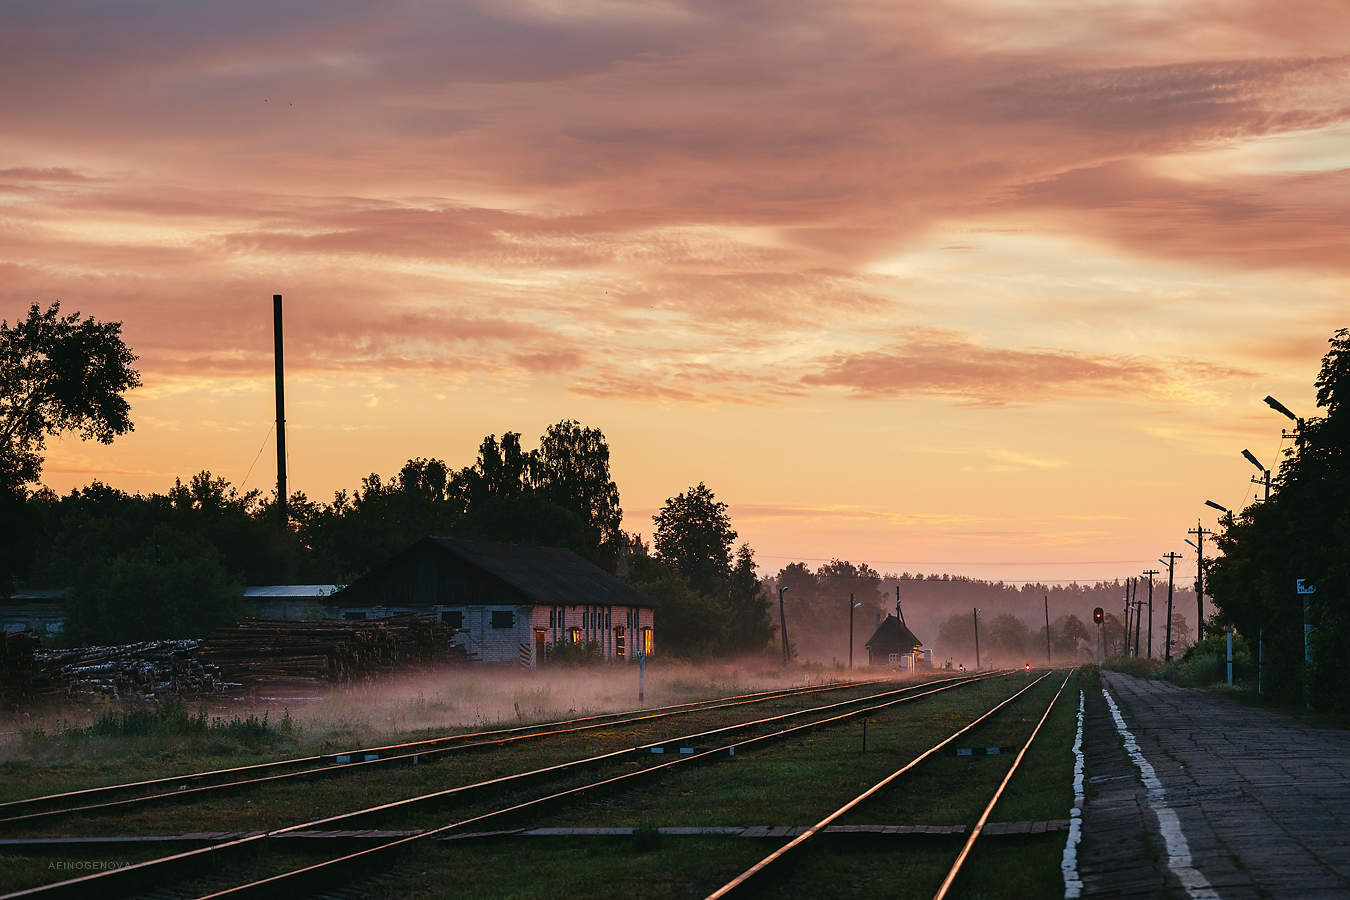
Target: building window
354	614
453	617
620	644
503	618
893	657
552	617
609	613
574	635
647	641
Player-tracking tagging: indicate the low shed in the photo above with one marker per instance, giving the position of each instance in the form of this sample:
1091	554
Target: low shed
893	644
510	601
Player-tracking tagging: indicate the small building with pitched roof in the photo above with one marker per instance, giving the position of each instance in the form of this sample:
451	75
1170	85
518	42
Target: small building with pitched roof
510	602
893	644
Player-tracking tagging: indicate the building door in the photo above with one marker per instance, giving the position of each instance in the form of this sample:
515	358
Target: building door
540	643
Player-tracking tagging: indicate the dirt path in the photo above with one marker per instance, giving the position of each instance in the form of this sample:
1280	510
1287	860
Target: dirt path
1202	796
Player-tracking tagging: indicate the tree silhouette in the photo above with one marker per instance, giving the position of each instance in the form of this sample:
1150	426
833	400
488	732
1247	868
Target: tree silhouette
694	535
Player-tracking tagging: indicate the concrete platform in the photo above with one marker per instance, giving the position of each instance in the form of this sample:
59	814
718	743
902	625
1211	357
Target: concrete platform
1260	800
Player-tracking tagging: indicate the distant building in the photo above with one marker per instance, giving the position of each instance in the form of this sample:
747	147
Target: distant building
510	601
893	644
38	609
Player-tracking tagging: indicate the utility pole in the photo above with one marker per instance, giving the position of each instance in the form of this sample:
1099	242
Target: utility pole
782	621
1125	635
1150	573
1047	630
1171	567
976	615
1134	582
281	410
1199	531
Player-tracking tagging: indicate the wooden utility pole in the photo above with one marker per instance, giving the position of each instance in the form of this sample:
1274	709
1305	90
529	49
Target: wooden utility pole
1047	628
1171	568
281	410
975	614
1199	531
1134	595
1150	573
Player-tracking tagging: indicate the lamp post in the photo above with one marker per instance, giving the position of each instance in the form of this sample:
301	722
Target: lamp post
851	607
782	622
1265	473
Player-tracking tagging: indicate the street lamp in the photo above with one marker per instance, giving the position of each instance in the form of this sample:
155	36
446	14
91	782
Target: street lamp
1265	473
1222	509
851	607
782	621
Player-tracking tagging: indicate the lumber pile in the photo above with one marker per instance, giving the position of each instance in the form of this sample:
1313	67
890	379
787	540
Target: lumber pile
325	651
144	670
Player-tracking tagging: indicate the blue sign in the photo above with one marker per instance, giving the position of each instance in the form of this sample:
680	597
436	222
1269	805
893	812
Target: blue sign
1304	589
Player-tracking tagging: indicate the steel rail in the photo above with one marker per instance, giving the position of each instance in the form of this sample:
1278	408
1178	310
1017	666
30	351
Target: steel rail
333	757
144	872
998	793
295	879
183	793
778	855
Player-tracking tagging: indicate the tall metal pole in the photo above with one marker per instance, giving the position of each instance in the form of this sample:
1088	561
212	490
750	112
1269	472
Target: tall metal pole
976	615
782	623
1150	573
281	410
1137	610
1125	635
1171	569
1047	630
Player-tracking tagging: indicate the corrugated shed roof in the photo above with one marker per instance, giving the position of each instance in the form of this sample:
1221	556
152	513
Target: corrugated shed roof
303	591
547	575
891	636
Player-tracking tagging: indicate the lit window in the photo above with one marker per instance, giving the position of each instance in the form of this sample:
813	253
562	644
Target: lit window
647	641
575	634
620	642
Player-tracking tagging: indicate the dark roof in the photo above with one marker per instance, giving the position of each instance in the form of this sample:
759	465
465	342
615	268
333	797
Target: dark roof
893	637
547	575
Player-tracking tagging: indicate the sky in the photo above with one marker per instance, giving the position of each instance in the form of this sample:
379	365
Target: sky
991	288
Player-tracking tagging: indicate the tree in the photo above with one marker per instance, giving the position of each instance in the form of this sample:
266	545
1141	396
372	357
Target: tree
571	470
170	586
57	373
1301	532
956	635
750	628
1008	635
694	535
1066	634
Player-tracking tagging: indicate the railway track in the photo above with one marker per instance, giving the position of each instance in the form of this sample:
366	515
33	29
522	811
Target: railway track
752	877
196	785
163	872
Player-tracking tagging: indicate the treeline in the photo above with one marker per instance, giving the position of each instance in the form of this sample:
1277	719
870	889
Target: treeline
938	608
1300	535
174	564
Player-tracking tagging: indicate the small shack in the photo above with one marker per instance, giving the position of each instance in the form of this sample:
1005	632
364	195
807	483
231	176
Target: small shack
509	602
893	644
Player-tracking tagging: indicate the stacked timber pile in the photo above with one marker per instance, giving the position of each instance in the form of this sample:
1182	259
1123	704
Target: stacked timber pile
146	670
325	651
18	667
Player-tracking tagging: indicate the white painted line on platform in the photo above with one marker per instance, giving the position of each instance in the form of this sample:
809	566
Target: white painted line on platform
1073	884
1178	850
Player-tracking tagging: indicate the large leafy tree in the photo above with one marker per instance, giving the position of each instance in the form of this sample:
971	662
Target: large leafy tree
58	373
1301	532
694	535
751	628
571	470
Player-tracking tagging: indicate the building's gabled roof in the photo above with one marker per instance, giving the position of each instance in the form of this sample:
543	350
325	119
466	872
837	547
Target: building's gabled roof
546	575
892	636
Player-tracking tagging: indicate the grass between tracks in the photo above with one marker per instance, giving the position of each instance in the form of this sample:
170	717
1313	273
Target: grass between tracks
790	783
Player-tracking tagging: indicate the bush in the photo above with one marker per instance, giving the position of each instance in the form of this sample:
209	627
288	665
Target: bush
582	653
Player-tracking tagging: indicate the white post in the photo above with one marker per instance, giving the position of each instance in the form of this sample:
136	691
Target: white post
642	672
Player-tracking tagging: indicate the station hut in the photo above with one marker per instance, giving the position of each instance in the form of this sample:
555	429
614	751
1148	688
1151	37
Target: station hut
508	601
893	644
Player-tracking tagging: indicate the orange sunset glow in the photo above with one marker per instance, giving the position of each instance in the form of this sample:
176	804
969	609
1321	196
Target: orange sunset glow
982	287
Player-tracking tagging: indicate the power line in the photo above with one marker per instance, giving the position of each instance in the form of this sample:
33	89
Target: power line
926	562
256	455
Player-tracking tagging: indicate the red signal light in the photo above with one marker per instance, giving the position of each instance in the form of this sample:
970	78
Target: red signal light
1098	616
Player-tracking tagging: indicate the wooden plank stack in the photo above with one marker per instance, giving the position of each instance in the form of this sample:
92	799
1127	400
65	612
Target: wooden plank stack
145	670
325	651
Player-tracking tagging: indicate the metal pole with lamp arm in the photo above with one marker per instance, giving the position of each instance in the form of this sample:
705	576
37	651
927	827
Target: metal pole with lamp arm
851	607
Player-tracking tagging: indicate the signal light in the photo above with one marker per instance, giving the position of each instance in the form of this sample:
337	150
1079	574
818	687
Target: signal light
1098	616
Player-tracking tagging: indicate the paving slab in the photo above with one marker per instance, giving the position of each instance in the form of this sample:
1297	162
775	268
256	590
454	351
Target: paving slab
1262	798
